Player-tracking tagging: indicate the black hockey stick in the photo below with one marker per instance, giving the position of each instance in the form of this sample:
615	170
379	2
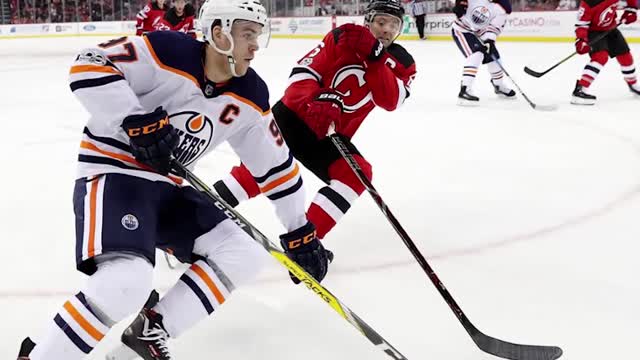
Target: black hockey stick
292	266
531	103
486	343
537	74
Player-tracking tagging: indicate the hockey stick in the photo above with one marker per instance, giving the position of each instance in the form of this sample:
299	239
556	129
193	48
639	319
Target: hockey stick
486	343
531	103
591	43
292	266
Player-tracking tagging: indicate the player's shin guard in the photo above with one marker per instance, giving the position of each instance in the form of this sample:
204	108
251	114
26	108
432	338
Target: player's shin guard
238	186
629	72
497	80
75	331
593	68
332	202
196	295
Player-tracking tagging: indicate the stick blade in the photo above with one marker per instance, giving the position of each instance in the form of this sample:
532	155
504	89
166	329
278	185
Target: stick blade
507	350
546	107
533	72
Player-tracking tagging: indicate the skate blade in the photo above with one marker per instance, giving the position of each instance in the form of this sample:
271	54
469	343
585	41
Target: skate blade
122	352
468	103
505	97
581	101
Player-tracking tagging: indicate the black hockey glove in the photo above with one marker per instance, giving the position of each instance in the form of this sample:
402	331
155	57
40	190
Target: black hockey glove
303	247
490	46
460	8
152	139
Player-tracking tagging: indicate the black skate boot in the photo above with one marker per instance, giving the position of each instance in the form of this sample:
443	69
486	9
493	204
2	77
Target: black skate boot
25	349
147	337
635	89
466	99
580	97
503	91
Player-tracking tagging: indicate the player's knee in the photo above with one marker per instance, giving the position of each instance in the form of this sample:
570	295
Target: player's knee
625	59
601	57
246	180
120	287
230	251
341	171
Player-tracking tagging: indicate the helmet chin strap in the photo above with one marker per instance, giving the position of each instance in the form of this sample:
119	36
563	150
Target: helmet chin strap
230	60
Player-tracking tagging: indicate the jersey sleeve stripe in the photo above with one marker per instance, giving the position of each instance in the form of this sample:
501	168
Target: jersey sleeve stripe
285	165
168	68
87	83
94	68
305	70
275	183
286	192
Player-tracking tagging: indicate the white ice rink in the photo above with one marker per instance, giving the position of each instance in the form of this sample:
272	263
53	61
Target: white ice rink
529	218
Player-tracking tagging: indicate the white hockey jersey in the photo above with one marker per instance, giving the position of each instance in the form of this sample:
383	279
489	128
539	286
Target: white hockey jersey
483	17
135	75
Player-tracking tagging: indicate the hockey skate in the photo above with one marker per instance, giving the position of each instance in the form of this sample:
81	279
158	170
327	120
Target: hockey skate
582	98
25	349
503	91
145	338
635	89
467	99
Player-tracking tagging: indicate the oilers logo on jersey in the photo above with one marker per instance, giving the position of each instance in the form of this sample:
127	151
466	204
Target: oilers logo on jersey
480	16
195	131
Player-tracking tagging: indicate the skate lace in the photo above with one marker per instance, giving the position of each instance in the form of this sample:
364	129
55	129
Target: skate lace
159	337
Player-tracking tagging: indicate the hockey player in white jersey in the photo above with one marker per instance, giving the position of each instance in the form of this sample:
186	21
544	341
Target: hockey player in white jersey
478	24
151	98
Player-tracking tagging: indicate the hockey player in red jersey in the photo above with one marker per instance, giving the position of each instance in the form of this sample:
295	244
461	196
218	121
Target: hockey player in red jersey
180	17
594	18
354	69
149	16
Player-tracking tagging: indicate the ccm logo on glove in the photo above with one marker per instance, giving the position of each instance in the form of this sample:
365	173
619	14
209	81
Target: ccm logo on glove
302	241
148	129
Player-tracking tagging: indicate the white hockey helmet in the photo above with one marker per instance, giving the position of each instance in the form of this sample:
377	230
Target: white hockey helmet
227	12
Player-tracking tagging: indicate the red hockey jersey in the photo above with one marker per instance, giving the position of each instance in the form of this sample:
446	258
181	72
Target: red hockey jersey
385	83
183	23
598	15
148	17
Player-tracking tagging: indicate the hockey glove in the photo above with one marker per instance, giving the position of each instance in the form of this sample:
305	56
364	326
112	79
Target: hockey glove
303	247
629	16
325	109
460	8
152	139
362	41
490	46
582	46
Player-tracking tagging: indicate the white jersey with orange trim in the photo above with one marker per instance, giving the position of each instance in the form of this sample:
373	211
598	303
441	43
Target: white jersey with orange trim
483	17
135	75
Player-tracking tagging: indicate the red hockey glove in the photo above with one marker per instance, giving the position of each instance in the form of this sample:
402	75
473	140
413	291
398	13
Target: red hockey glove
629	16
582	46
325	109
362	41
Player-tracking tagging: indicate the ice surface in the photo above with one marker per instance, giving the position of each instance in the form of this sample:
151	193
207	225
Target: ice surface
529	218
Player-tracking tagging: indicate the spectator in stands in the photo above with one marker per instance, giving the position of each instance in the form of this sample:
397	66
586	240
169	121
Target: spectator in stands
149	16
419	12
180	17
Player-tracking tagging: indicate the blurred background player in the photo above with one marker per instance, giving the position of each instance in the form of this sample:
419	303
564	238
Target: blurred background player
419	12
180	17
594	18
354	69
152	98
149	16
478	24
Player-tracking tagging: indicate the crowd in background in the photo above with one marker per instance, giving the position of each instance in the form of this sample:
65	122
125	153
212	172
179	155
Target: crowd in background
54	11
